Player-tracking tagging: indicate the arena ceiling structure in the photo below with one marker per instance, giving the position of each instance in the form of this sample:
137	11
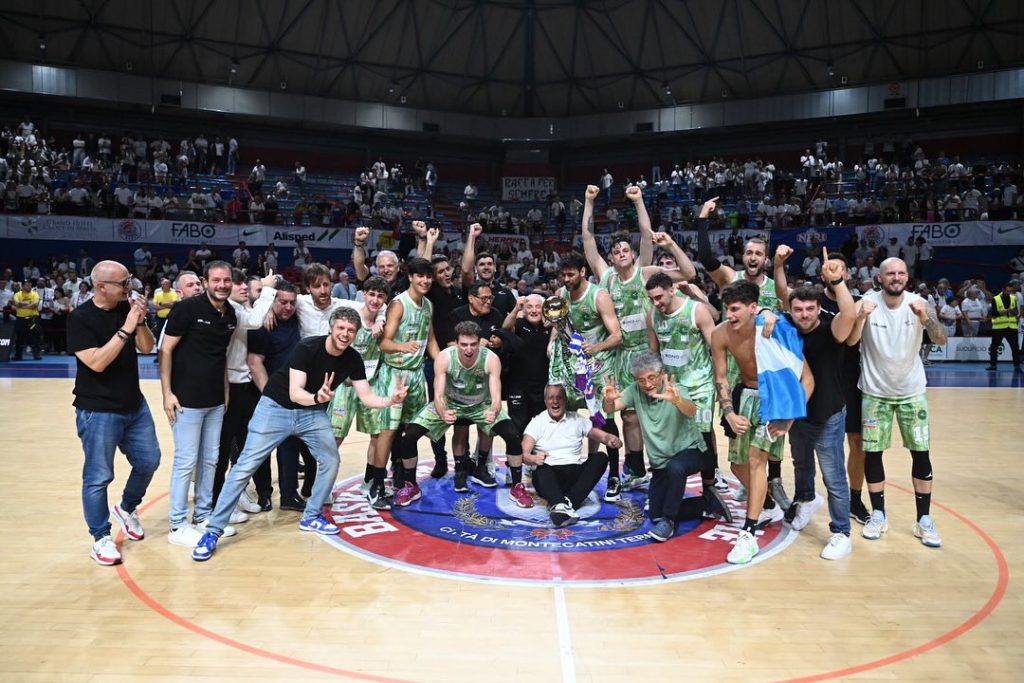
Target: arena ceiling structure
521	58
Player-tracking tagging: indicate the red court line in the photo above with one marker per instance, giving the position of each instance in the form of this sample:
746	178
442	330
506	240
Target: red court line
154	605
971	622
997	596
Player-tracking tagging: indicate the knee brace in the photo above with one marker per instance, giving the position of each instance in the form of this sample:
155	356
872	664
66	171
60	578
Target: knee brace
922	467
874	471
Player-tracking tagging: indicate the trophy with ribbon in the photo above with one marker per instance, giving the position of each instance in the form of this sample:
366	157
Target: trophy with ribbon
579	364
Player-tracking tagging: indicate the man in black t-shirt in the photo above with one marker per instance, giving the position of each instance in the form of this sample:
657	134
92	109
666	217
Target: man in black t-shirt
527	360
110	410
822	430
294	403
481	266
445	298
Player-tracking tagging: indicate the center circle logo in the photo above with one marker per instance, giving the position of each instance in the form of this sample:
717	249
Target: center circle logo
484	536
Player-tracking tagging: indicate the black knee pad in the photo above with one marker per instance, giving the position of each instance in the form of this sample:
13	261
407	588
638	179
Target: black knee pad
874	471
511	436
922	467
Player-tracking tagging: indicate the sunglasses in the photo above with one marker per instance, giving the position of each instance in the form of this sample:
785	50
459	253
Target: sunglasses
123	284
483	298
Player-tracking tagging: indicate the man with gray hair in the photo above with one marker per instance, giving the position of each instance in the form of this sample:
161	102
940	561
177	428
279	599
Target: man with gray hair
553	443
386	262
674	443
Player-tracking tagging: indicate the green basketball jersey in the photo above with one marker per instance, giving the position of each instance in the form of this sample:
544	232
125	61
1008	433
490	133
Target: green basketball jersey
466	387
367	346
683	349
767	298
587	319
631	307
414	326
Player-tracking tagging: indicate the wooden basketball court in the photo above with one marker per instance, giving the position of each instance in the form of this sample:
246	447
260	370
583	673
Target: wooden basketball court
276	604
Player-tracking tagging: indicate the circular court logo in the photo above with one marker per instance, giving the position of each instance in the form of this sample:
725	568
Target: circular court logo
484	536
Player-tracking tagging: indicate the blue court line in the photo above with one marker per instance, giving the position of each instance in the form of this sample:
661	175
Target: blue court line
940	375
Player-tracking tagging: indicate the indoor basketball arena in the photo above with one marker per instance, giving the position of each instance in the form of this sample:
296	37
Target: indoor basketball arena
511	340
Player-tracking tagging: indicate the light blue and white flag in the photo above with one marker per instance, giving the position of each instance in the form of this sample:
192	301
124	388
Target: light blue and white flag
780	363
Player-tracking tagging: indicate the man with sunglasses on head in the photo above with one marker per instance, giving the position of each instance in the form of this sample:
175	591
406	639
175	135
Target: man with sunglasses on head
105	333
481	267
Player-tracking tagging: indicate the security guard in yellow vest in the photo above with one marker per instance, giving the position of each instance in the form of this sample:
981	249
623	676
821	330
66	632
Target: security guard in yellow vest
1004	326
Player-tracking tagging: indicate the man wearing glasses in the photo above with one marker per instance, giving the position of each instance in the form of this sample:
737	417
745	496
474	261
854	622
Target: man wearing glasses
110	411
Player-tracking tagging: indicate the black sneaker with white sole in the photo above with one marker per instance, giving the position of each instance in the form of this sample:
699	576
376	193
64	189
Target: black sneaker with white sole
482	475
858	512
716	504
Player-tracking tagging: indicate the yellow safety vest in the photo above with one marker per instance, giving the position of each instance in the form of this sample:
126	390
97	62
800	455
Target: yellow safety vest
1007	318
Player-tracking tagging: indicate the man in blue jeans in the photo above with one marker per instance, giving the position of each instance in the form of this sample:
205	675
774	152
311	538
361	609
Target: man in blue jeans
823	429
294	403
110	411
193	377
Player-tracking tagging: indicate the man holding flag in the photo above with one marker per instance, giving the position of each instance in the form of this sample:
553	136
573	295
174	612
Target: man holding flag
591	353
775	384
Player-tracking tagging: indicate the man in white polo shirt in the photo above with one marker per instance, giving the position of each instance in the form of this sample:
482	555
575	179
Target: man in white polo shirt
553	442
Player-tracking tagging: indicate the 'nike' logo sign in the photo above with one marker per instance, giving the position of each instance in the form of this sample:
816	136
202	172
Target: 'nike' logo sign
1003	231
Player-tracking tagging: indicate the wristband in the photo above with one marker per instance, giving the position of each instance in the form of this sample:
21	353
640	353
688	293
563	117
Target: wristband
316	398
835	282
122	335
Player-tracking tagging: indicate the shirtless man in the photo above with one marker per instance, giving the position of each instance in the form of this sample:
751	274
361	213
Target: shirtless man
754	442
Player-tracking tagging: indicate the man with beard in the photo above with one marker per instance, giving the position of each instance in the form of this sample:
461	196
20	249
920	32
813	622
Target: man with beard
467	386
242	399
593	314
480	311
754	442
821	431
293	405
675	445
890	325
105	333
194	380
408	336
679	330
625	281
481	267
850	372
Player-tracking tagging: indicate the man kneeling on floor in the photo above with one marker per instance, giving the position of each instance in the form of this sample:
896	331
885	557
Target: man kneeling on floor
675	445
294	403
553	443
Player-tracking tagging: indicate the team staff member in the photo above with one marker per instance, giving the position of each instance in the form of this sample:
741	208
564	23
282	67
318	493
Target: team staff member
104	333
1005	319
294	403
27	307
193	377
890	325
553	443
527	359
822	430
480	266
675	445
270	347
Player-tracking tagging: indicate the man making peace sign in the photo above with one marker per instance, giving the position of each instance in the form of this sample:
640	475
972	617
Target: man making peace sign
675	445
294	403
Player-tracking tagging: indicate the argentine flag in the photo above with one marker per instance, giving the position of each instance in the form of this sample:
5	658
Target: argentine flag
780	362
